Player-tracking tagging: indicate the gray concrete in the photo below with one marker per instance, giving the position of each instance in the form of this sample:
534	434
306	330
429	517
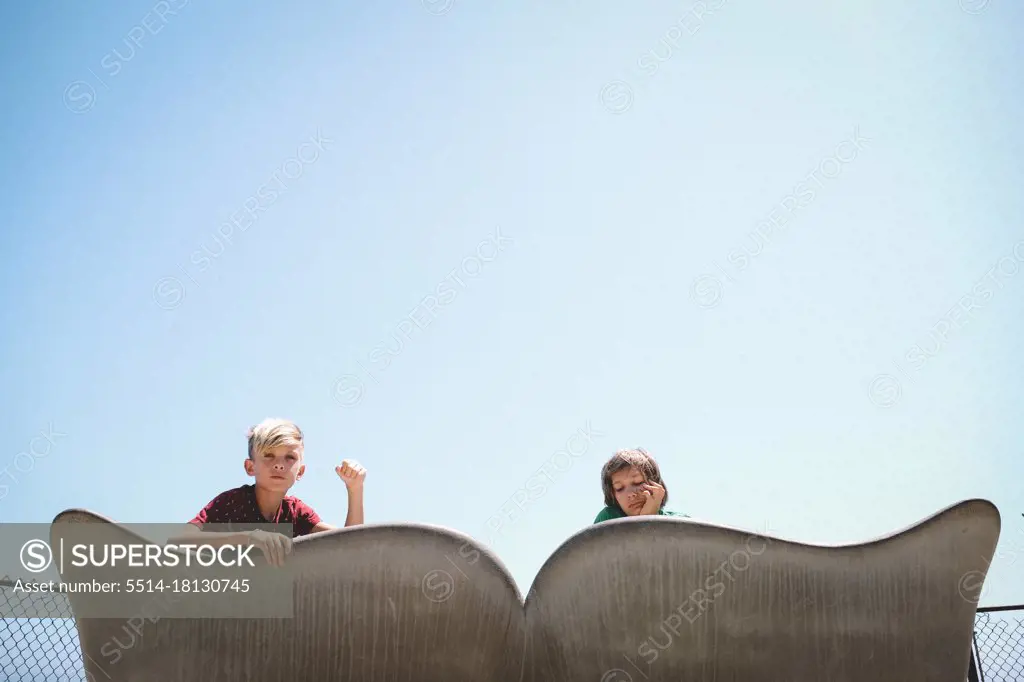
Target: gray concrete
630	600
666	599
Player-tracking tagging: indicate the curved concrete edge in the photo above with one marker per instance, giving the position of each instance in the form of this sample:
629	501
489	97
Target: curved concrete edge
424	602
371	602
662	598
973	506
469	550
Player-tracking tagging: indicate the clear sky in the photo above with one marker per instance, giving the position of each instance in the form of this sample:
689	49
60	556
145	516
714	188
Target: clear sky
776	244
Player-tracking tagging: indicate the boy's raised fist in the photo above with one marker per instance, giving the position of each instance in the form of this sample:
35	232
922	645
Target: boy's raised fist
351	472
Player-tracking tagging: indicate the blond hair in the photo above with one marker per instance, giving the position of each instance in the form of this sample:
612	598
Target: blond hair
271	433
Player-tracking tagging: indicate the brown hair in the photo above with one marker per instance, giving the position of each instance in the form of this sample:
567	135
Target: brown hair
624	459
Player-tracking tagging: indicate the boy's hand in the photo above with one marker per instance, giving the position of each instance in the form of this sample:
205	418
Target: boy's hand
654	494
273	545
352	473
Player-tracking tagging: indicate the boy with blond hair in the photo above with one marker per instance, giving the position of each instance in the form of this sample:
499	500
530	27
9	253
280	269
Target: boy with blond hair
275	460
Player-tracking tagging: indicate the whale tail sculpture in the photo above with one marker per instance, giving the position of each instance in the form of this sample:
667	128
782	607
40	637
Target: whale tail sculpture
632	600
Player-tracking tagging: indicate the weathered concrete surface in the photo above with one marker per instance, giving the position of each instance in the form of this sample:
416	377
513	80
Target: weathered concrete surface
409	602
631	600
665	599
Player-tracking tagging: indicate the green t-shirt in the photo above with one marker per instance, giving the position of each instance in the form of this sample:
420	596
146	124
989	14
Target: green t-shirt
609	513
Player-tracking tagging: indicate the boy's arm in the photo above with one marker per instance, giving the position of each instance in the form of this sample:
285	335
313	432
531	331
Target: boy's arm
321	527
352	475
273	545
354	516
355	507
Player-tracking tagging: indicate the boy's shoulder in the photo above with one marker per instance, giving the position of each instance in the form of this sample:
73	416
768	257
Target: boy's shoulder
240	491
295	503
609	513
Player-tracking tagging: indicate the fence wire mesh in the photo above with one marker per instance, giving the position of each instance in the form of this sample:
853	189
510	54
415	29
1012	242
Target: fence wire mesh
38	649
999	644
47	650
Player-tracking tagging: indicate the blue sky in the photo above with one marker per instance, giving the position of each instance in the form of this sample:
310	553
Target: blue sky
833	387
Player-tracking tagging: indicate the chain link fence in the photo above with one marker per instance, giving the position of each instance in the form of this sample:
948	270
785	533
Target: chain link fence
38	649
46	649
999	644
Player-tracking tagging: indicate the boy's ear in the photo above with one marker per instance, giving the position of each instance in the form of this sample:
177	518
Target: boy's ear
250	467
302	470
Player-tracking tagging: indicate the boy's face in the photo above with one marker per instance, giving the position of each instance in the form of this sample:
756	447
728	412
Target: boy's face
277	468
628	492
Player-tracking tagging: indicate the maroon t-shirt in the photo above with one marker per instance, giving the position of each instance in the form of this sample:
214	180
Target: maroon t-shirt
238	509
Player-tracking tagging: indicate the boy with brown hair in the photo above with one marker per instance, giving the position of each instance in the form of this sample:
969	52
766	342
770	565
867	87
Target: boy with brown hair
632	486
